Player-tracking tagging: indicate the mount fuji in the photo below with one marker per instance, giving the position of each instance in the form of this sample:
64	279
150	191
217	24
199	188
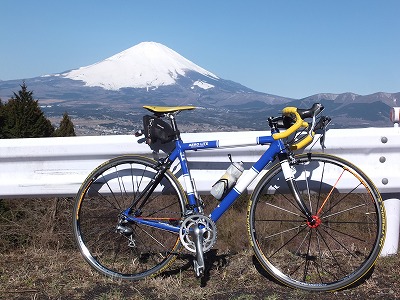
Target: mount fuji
148	70
146	65
112	92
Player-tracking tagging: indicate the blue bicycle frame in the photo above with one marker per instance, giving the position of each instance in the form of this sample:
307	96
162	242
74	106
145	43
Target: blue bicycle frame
275	147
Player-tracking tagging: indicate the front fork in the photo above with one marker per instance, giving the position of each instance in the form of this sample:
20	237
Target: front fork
288	173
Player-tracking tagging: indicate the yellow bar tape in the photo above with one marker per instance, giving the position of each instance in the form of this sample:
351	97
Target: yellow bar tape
299	123
303	143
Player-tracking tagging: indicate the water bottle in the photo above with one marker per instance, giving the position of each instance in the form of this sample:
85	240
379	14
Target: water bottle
227	181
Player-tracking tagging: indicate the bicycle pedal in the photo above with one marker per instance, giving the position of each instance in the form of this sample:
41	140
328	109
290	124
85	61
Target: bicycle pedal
198	270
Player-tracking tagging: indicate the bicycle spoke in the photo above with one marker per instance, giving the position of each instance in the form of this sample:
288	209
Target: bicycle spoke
320	265
152	237
331	252
138	182
283	231
110	243
329	194
105	198
344	233
307	260
342	211
306	180
285	210
286	197
342	243
288	241
345	197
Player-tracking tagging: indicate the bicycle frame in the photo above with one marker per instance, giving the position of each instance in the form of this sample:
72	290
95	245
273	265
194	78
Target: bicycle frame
275	147
308	225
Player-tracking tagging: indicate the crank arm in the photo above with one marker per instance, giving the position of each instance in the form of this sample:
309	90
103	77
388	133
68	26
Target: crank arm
198	263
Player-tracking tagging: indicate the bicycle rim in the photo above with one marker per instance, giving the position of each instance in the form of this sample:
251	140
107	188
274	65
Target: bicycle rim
129	250
341	247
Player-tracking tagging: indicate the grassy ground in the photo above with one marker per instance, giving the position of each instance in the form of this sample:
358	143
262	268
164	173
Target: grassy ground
38	260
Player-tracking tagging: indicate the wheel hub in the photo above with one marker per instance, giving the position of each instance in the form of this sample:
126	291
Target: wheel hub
315	222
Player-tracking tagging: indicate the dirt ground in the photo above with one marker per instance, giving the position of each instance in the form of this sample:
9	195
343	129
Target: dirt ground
60	274
39	260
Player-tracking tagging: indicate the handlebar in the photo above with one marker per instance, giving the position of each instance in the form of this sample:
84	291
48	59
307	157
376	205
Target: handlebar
296	122
288	111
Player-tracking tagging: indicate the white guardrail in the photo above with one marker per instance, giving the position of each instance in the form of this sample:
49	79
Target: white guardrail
49	167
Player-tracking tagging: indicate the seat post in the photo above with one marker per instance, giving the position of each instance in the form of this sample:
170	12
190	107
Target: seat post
171	117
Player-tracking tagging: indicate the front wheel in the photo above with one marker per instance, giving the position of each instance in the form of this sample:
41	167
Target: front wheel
119	248
335	251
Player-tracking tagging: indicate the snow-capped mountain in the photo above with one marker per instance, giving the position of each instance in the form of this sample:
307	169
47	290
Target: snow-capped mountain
148	70
153	74
146	65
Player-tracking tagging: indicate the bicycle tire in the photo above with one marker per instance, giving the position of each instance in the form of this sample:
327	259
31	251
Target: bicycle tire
134	251
331	255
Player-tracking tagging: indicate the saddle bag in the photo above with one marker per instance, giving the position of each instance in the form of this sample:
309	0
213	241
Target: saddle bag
156	129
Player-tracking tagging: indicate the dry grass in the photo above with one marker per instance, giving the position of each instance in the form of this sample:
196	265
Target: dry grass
38	260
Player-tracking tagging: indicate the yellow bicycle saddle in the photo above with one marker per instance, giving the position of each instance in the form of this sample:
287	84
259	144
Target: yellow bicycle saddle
167	109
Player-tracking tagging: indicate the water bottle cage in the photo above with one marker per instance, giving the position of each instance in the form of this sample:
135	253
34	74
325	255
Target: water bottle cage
225	182
224	185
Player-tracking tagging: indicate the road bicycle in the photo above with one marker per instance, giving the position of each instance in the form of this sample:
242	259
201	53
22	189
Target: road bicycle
315	221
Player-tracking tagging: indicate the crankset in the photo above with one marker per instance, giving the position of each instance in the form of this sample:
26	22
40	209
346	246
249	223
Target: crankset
198	234
198	225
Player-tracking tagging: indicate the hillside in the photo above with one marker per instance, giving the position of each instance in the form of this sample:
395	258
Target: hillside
106	97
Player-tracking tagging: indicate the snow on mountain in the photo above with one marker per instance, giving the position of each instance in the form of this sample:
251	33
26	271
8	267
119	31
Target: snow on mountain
146	65
202	84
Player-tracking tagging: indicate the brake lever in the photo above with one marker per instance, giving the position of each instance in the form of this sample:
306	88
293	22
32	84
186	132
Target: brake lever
323	122
320	128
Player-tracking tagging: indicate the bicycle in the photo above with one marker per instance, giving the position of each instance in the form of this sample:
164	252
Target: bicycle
315	221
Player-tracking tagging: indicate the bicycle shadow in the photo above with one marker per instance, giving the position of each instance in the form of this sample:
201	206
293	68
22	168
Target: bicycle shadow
265	274
211	260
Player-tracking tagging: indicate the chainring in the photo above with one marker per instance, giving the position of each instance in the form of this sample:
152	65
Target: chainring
207	228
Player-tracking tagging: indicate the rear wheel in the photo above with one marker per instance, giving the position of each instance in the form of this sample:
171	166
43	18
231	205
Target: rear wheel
118	248
343	243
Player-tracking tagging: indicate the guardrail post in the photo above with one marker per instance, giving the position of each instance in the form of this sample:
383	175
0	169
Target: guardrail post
392	207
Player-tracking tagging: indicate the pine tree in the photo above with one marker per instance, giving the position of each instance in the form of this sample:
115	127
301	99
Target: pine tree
23	117
2	119
66	127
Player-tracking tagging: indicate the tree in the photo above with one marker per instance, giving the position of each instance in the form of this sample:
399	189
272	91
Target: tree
66	127
2	119
23	118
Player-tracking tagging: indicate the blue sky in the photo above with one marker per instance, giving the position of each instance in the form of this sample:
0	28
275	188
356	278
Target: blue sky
292	48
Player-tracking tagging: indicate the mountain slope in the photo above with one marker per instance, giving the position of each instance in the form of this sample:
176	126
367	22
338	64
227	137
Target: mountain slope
148	70
115	89
145	65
